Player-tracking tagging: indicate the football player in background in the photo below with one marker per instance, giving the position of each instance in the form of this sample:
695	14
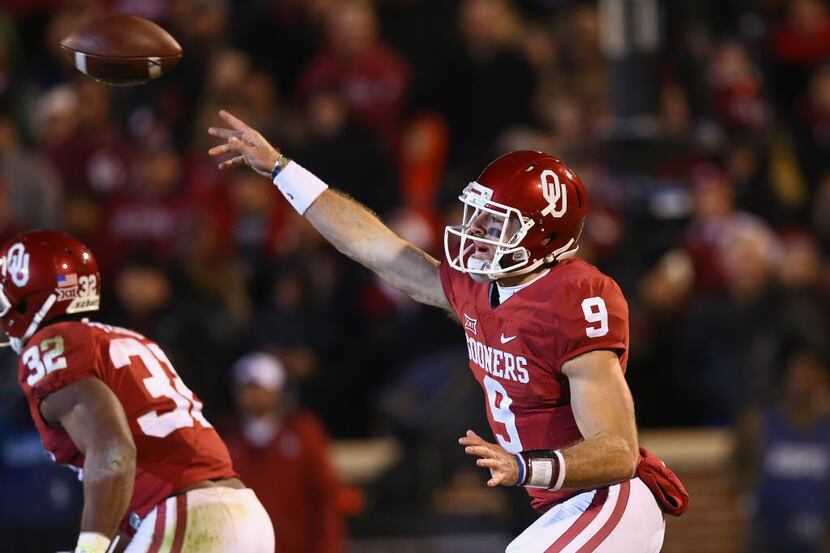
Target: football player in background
107	401
547	337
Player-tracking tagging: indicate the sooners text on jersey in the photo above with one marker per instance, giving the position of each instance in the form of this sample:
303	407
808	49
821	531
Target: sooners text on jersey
517	351
176	446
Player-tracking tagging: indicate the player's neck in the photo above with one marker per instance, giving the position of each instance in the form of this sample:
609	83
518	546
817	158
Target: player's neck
510	282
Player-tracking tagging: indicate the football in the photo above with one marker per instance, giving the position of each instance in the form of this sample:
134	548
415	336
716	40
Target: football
121	50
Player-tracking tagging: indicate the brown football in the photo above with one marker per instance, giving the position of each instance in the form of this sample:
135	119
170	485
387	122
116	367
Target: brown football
120	49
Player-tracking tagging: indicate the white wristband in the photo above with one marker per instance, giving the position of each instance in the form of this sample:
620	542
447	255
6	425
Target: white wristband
561	480
299	186
541	472
92	542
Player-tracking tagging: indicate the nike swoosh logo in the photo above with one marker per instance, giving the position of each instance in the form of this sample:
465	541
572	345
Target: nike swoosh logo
504	339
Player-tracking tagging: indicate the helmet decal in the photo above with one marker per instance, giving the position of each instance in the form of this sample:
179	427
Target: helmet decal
17	265
553	190
87	297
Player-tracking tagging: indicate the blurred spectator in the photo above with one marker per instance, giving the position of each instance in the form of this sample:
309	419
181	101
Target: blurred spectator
8	225
486	86
735	85
733	339
12	80
150	298
746	163
372	78
150	216
282	454
714	213
287	28
798	42
424	150
812	128
660	308
784	461
90	153
344	153
33	188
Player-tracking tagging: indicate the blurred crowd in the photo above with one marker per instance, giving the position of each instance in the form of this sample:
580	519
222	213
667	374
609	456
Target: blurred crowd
701	130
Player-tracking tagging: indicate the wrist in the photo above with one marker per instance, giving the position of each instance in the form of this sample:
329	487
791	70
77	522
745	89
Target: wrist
92	542
543	469
278	164
522	469
300	186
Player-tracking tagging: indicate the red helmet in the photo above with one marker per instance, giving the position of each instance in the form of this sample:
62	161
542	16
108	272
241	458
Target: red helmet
44	274
539	204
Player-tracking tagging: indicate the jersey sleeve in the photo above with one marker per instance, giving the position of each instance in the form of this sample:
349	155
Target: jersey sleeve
592	315
56	357
448	279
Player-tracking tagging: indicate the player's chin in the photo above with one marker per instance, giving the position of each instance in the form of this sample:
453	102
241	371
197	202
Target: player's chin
484	254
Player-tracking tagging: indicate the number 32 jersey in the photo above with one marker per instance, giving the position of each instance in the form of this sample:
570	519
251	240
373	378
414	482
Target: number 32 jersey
517	350
175	445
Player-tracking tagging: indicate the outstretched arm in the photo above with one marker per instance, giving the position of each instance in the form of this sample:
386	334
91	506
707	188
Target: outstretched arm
351	227
94	419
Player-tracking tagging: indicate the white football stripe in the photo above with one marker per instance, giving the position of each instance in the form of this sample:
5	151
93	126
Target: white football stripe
169	525
549	527
80	62
597	523
153	67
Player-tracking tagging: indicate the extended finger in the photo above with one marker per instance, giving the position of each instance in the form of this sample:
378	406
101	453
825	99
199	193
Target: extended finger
471	439
478	450
223	133
233	121
237	161
222	149
495	481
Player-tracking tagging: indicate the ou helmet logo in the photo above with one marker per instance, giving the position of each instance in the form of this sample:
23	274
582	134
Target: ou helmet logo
554	191
17	265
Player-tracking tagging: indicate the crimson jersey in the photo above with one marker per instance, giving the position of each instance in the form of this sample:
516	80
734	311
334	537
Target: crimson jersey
517	351
175	444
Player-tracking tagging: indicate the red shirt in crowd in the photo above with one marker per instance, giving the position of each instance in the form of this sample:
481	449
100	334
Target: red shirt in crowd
293	478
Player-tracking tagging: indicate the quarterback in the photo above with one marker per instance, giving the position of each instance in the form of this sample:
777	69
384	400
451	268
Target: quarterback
107	401
546	333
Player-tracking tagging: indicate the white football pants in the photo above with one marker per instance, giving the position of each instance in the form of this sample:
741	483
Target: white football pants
623	518
206	520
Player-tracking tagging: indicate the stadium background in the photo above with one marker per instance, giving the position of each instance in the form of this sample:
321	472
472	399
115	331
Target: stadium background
701	130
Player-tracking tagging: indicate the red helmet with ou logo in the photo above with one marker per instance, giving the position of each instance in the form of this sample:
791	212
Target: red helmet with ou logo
534	206
44	274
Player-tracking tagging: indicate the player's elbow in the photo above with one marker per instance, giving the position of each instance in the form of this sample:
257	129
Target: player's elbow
627	459
117	458
621	460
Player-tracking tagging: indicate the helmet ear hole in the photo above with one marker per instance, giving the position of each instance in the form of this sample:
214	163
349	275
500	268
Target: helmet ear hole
549	238
22	306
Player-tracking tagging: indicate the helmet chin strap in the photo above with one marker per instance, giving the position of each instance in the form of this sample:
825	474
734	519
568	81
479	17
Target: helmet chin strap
477	265
17	343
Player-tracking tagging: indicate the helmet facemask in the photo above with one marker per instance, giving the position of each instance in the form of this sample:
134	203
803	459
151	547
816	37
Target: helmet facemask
5	304
497	251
